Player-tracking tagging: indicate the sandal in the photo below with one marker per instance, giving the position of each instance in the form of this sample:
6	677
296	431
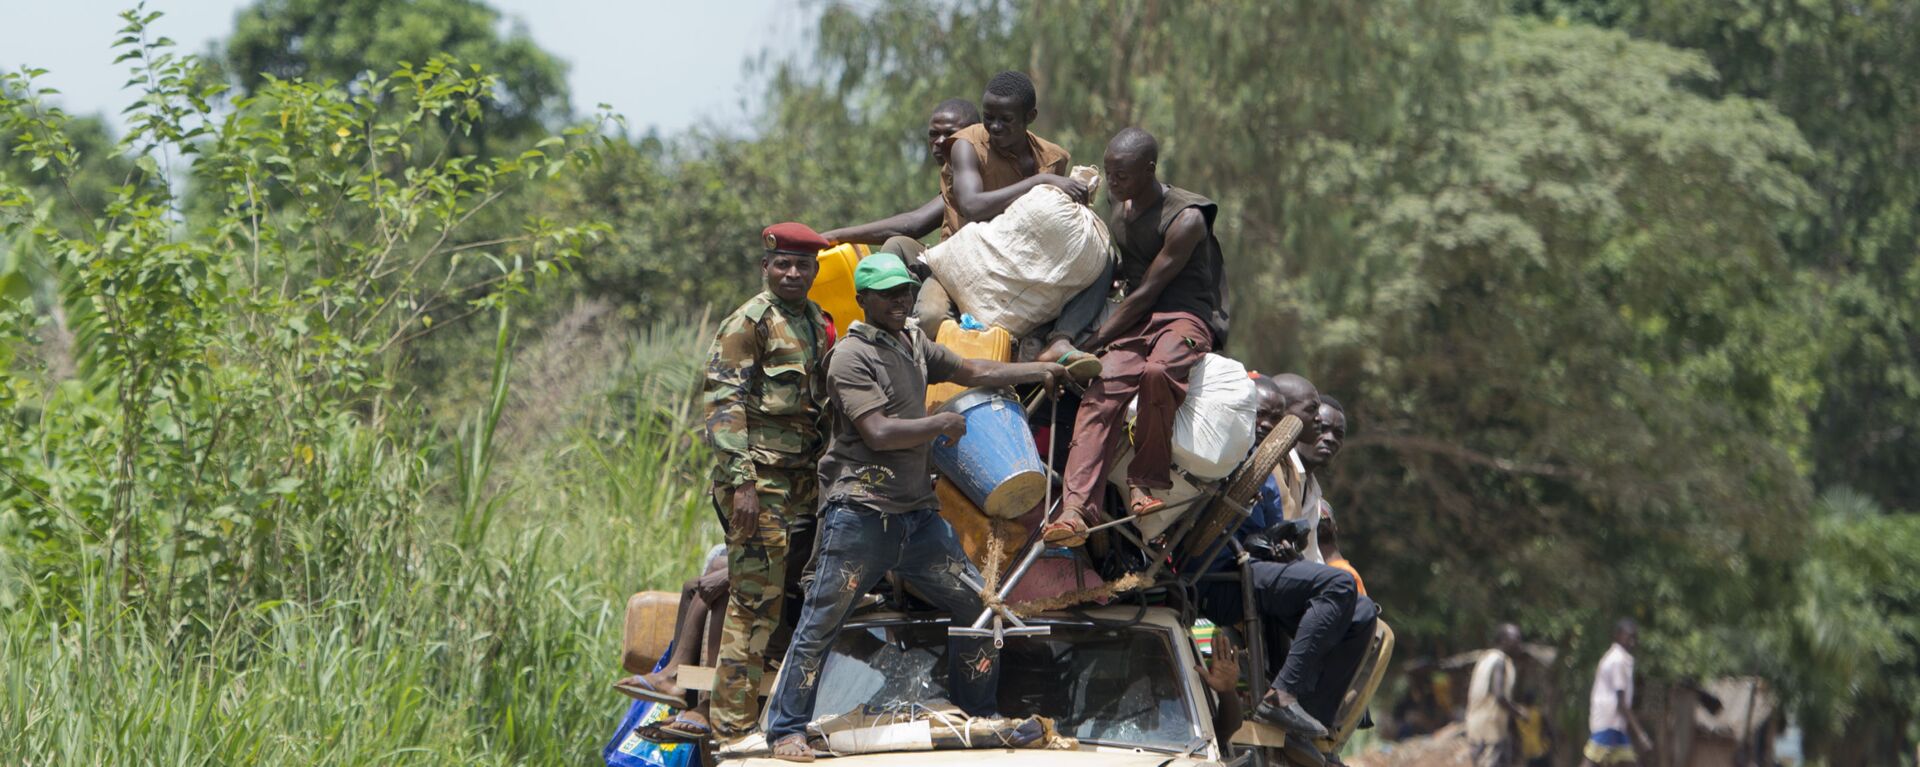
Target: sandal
638	688
687	727
793	748
1144	504
1068	531
1081	366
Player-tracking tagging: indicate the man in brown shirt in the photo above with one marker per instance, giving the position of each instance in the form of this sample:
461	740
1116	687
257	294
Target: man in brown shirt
880	514
989	166
992	164
947	119
1175	314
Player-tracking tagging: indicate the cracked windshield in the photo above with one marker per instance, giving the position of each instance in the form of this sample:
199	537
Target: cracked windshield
1111	685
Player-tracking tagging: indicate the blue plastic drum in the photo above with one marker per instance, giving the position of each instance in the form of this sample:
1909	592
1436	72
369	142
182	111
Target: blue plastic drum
996	464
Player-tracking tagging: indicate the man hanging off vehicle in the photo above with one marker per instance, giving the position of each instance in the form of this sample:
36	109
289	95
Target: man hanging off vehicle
1319	605
1174	313
764	407
879	513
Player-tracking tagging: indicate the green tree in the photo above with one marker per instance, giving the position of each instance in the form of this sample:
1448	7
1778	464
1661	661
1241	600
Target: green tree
1541	267
236	361
322	40
1847	649
1844	73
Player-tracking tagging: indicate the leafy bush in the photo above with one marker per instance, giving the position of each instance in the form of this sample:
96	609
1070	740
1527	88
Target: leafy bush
235	415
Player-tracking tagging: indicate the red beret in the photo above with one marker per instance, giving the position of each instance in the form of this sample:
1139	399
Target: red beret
794	237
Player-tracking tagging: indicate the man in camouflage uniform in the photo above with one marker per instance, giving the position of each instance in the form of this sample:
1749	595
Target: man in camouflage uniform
764	405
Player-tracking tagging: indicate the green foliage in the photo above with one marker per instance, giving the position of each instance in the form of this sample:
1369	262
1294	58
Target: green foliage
353	42
1852	636
1550	404
1541	269
1843	72
234	400
494	655
1603	311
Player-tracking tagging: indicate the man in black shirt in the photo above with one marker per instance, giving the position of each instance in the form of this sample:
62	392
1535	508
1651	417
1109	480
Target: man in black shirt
1174	314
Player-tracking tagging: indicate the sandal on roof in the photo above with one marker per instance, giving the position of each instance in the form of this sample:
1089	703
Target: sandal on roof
638	688
793	748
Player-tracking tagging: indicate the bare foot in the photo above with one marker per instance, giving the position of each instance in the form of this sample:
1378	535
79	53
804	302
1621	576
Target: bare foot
793	748
1054	350
657	688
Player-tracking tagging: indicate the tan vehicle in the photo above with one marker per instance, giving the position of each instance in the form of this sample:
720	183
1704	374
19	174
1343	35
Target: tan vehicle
1123	682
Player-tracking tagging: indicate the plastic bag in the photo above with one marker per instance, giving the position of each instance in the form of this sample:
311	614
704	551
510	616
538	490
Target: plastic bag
1018	270
1214	427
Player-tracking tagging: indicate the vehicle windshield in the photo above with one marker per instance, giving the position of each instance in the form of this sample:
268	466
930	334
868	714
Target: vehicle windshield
1116	686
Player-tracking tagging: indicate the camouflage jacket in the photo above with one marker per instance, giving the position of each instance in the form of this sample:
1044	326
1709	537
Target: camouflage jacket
765	402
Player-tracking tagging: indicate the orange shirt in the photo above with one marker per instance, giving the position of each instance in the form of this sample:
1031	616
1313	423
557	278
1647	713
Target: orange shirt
1343	564
998	170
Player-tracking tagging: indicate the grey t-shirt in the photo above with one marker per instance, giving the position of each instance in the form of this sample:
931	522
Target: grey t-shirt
873	370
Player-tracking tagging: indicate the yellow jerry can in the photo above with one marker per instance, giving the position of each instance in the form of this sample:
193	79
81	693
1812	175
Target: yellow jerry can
833	286
991	344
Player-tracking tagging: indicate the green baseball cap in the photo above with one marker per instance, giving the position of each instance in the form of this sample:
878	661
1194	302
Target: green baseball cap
881	271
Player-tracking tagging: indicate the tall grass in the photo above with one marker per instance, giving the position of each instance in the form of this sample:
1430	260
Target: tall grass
488	643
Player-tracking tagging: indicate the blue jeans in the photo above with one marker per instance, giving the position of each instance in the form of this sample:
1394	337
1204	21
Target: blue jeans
855	548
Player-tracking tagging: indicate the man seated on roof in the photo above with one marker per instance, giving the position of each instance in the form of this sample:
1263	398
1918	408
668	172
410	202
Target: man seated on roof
696	638
1350	650
948	118
1173	315
989	166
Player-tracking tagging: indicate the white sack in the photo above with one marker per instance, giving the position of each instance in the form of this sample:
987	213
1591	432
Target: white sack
1019	269
1213	429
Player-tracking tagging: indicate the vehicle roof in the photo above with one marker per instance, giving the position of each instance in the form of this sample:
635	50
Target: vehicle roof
1088	756
1155	615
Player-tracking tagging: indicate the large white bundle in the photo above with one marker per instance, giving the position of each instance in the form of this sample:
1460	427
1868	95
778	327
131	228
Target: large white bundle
1019	269
1213	429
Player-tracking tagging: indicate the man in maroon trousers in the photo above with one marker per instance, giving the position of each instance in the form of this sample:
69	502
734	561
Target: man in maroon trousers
1174	313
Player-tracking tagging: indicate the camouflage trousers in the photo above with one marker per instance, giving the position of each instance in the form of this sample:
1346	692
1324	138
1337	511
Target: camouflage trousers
759	569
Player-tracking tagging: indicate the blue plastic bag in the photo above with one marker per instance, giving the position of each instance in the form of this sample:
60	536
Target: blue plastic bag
628	749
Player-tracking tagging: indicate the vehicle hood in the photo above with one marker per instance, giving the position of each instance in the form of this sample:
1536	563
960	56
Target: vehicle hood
1086	756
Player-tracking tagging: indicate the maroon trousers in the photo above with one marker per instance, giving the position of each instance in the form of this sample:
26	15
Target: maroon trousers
1152	361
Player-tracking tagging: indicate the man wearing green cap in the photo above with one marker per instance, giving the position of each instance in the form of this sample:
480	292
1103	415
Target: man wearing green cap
765	406
878	511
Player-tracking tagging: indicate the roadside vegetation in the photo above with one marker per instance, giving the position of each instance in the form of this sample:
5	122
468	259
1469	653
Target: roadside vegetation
344	399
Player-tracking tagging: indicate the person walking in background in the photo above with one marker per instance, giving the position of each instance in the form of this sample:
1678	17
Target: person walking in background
1615	730
1490	707
764	406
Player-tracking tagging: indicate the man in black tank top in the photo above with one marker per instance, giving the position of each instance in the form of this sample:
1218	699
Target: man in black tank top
1174	313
